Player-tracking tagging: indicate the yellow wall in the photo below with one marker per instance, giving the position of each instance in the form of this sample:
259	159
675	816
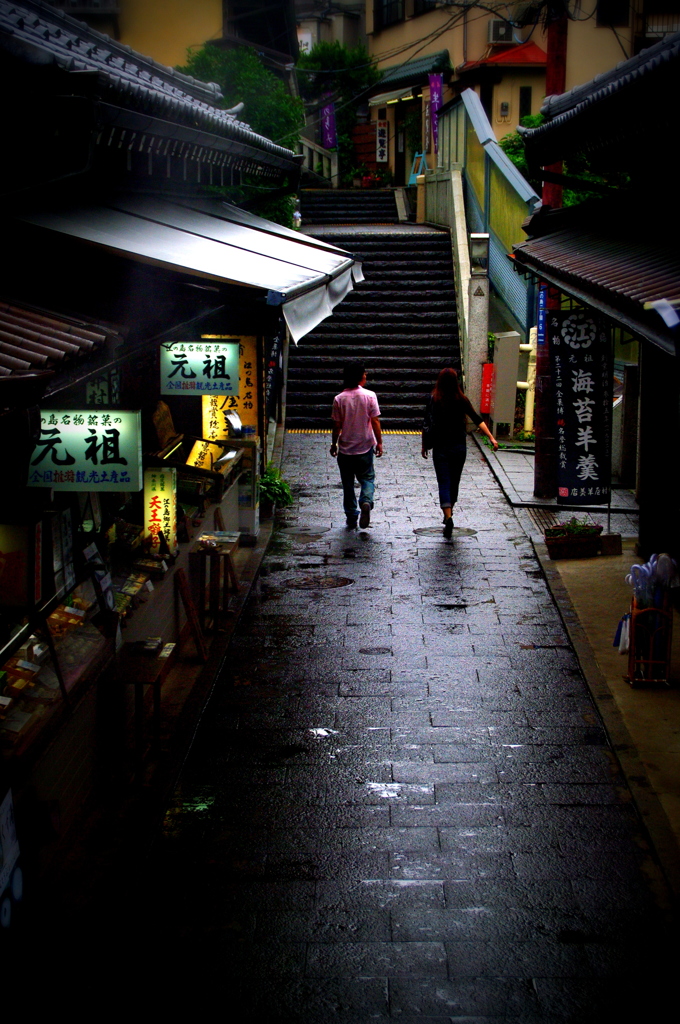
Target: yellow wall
590	51
165	29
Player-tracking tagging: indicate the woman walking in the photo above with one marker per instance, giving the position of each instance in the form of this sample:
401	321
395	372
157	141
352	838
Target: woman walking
444	432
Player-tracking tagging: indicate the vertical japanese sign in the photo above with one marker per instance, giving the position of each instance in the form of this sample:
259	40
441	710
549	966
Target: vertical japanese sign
580	363
436	86
160	507
381	139
542	313
189	368
82	450
329	134
274	376
244	402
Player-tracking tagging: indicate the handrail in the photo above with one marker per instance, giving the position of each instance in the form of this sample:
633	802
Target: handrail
323	162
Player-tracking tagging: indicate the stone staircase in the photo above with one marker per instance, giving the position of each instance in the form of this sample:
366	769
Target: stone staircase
401	321
348	206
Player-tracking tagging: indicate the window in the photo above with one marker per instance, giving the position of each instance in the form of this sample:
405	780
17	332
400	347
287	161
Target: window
387	12
613	13
524	101
422	6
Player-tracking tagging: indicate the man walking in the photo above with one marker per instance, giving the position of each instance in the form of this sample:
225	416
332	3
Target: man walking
356	424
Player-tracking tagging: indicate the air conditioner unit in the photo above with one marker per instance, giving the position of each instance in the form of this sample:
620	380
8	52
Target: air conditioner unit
500	31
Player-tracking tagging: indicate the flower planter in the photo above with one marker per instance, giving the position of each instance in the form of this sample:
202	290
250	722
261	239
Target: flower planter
584	544
266	509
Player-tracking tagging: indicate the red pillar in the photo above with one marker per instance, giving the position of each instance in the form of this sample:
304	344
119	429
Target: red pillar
555	83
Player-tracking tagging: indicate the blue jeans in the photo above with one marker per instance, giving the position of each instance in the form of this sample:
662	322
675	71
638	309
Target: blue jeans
448	465
361	467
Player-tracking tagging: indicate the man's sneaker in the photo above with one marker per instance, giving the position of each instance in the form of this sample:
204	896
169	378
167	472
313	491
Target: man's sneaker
365	517
448	528
352	524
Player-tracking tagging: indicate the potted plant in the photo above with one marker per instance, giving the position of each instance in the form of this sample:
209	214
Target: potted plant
273	491
575	539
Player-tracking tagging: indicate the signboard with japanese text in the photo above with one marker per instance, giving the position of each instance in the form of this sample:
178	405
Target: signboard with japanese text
83	450
244	401
190	368
381	140
160	507
581	370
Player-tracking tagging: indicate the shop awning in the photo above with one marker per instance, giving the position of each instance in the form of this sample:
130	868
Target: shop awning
215	241
389	97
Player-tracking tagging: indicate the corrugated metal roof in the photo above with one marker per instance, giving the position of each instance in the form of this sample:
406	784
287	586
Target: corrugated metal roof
126	78
31	341
614	270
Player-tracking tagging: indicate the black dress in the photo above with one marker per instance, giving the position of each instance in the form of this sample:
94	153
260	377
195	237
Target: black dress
444	432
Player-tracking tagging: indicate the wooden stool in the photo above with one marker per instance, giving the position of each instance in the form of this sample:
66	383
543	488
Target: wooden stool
140	670
212	570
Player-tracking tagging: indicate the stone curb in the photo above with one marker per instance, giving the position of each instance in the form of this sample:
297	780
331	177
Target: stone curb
646	801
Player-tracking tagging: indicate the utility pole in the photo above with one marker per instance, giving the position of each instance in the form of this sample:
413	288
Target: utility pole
545	461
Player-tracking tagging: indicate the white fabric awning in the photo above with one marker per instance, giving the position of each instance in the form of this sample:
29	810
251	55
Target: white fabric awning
215	241
389	97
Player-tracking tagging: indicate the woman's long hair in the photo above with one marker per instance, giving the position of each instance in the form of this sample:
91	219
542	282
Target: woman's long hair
447	389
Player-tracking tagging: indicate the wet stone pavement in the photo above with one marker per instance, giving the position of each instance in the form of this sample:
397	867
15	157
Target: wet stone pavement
401	804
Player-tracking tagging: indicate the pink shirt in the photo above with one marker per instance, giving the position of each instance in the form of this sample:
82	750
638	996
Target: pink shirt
353	410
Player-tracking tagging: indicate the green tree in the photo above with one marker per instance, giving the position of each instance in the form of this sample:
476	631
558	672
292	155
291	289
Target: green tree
344	74
579	167
269	109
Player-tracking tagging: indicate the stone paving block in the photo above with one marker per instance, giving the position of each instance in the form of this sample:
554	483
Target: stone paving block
448	866
325	925
479	772
478	1000
384	959
380	893
450	815
515	894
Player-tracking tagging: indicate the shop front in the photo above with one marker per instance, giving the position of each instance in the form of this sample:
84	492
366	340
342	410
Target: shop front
135	491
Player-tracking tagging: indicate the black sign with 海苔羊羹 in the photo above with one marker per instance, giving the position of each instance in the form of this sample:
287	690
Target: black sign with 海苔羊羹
582	379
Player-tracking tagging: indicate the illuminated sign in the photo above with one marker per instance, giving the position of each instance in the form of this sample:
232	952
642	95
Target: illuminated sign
160	507
200	367
82	450
244	401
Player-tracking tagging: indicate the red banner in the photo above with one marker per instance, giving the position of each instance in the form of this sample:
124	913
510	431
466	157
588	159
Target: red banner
487	388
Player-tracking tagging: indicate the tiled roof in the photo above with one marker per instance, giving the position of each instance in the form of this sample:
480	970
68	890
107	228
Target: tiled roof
414	71
31	341
126	78
631	105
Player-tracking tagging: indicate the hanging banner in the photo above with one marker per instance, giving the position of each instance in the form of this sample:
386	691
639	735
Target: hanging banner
381	137
580	363
436	88
329	135
82	450
191	367
160	507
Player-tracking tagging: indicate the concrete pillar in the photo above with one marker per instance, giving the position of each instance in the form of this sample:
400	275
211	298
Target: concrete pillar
478	336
